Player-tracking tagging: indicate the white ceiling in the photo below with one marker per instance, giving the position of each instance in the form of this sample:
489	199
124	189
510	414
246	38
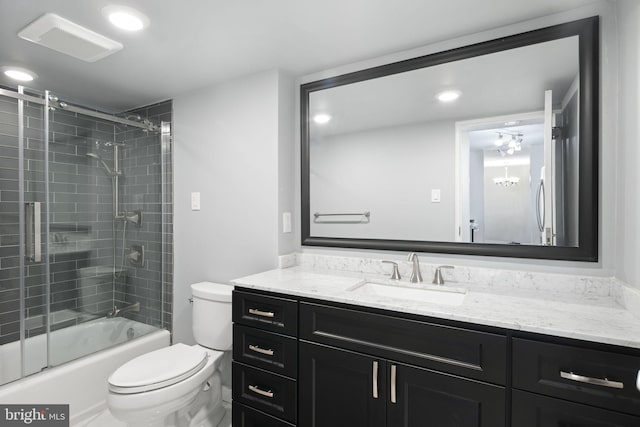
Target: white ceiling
194	43
502	83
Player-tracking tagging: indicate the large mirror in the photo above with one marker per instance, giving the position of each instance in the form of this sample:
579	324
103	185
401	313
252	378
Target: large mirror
489	149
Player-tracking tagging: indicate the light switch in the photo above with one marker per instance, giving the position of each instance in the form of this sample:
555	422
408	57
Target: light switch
435	196
195	201
286	222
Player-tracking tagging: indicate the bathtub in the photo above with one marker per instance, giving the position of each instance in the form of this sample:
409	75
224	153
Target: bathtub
81	383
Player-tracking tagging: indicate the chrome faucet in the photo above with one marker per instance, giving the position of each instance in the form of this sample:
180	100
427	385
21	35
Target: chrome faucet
116	312
416	277
437	277
395	274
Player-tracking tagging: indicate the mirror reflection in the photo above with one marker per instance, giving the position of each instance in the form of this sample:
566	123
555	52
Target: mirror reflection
480	150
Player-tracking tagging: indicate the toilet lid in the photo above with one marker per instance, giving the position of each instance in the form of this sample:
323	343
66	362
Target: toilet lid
157	369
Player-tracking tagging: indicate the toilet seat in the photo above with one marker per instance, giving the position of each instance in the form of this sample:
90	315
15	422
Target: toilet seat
158	369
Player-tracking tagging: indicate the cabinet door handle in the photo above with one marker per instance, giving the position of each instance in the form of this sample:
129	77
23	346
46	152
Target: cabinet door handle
375	379
258	390
261	313
638	381
260	350
588	380
393	383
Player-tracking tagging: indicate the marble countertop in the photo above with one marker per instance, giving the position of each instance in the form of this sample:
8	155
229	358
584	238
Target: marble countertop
589	317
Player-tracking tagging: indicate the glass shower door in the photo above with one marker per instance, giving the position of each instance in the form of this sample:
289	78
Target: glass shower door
23	225
85	234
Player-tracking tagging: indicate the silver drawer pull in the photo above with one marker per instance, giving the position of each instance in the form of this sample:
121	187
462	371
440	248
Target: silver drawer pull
258	390
257	349
638	381
588	380
261	313
393	384
375	379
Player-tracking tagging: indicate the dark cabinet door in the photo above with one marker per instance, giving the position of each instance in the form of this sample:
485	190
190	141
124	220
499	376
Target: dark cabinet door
532	410
421	397
339	388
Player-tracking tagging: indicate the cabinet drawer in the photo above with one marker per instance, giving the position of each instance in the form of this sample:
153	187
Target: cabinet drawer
598	378
244	416
266	312
532	410
268	392
465	352
267	350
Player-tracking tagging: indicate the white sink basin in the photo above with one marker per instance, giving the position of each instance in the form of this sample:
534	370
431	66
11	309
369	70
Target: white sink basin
446	296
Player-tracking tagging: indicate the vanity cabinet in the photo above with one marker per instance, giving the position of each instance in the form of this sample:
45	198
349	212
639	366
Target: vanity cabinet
344	388
265	360
391	378
533	410
340	387
556	385
310	362
460	351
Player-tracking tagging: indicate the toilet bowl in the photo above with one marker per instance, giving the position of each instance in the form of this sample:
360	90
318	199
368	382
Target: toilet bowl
179	385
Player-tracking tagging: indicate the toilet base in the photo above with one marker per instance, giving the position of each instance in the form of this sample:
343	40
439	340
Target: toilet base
201	408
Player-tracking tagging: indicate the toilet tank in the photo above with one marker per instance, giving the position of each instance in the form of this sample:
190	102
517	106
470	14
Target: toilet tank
211	316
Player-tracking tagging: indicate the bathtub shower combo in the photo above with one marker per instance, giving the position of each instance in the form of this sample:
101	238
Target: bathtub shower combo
85	237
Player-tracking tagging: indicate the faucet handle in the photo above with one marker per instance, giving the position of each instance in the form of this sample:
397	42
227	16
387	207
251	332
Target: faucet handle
437	277
395	275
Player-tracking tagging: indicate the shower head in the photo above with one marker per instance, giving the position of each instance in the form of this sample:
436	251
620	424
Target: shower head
102	162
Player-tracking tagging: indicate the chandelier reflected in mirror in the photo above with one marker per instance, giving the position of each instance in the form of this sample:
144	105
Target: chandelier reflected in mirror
506	180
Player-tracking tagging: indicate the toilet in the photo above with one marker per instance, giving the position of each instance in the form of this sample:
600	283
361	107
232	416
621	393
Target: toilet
179	385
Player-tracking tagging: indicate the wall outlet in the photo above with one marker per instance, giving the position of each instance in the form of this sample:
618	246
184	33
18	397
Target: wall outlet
195	201
435	196
286	222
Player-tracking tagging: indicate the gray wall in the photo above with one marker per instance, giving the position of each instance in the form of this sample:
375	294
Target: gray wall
227	148
628	177
287	242
389	172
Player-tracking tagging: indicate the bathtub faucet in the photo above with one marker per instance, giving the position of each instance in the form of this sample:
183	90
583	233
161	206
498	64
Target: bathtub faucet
119	311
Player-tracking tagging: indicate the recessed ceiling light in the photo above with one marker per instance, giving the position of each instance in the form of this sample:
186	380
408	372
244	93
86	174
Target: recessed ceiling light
448	95
321	118
19	74
125	17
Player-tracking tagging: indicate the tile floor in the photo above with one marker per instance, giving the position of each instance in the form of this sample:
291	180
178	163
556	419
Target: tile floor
105	419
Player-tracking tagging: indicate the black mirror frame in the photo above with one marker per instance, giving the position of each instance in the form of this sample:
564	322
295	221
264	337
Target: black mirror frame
589	63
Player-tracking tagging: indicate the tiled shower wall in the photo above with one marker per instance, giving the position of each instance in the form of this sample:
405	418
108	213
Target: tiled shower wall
142	165
80	219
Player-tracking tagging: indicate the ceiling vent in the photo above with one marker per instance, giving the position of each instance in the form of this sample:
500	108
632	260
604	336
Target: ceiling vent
60	34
